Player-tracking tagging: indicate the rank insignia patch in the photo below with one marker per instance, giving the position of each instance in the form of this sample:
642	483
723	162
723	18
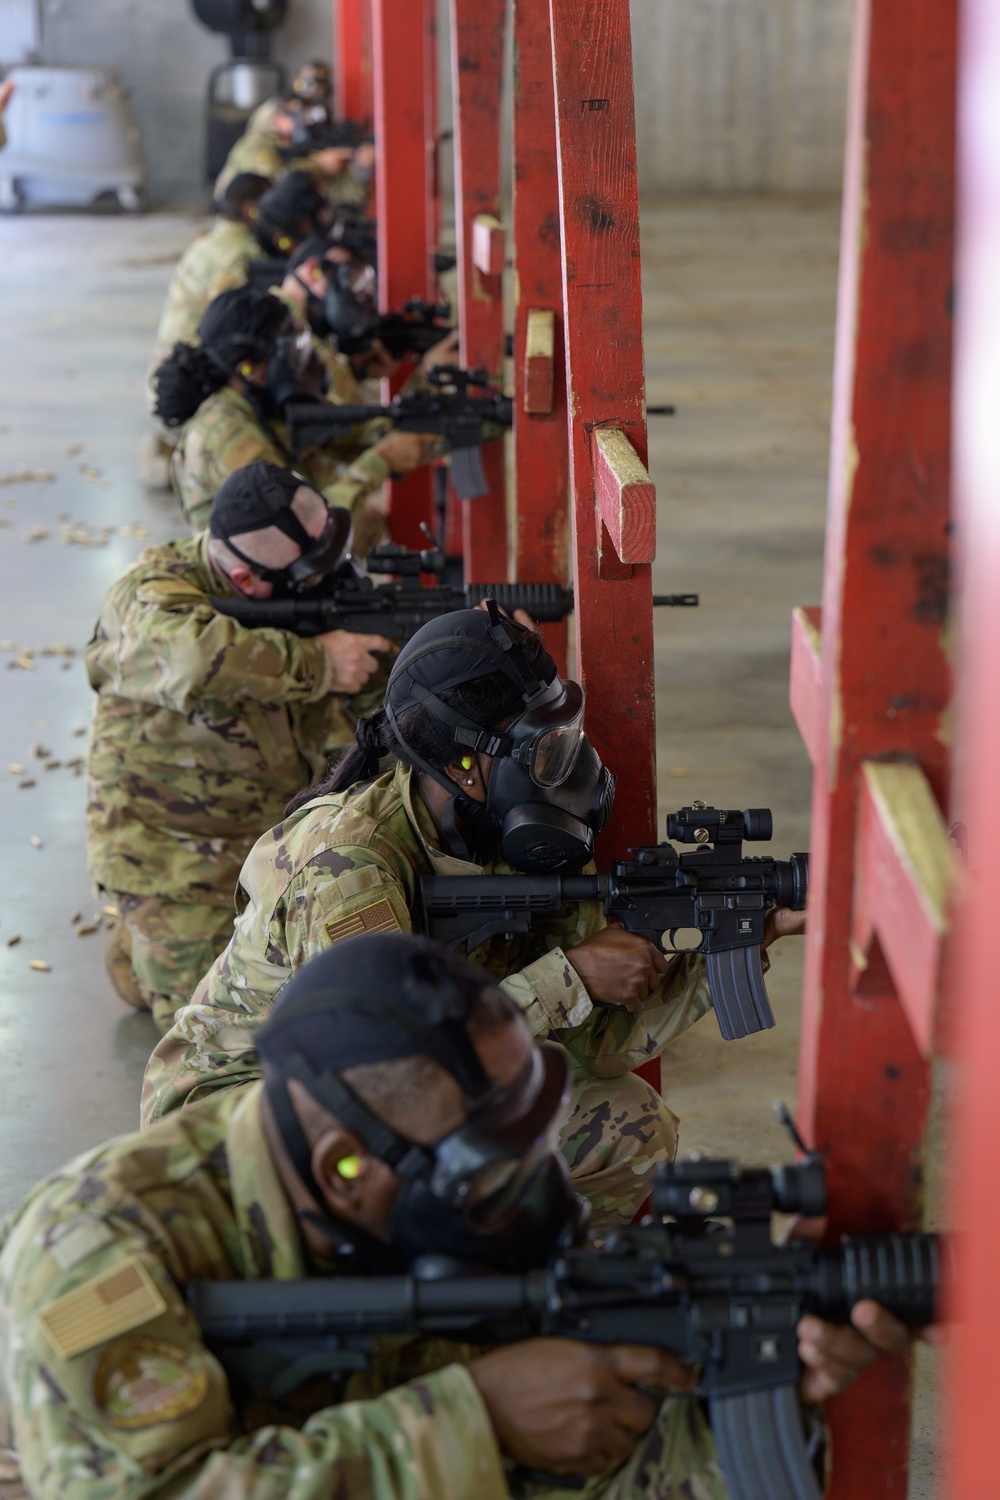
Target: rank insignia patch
140	1382
377	917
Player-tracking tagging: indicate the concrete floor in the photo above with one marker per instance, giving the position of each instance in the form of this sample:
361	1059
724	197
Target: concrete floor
739	312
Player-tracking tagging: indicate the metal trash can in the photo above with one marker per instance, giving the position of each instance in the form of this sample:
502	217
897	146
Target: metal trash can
70	139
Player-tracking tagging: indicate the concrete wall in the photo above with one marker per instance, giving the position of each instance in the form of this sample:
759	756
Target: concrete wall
164	56
731	95
741	95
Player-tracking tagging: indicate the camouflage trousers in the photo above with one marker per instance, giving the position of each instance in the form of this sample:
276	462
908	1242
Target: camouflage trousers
617	1133
675	1460
172	945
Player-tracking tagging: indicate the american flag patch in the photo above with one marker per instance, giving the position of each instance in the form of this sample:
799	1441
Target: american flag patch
101	1309
377	917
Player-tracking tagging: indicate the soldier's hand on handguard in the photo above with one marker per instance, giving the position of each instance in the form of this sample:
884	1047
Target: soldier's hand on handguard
618	968
404	451
573	1408
353	657
781	922
443	353
374	363
834	1357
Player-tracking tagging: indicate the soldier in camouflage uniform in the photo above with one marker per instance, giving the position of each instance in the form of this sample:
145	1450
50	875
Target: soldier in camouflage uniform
229	242
220	393
203	729
263	148
111	1394
349	859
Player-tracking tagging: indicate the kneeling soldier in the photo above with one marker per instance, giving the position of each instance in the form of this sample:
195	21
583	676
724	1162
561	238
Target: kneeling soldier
404	1111
202	728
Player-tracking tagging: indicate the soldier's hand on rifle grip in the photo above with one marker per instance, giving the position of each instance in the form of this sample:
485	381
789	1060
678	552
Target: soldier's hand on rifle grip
619	969
404	451
373	363
835	1357
781	922
353	657
573	1408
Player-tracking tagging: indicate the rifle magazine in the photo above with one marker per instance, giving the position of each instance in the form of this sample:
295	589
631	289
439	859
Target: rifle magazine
762	1445
739	994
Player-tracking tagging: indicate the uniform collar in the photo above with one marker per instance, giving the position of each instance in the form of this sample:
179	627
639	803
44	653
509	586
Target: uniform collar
404	779
272	1242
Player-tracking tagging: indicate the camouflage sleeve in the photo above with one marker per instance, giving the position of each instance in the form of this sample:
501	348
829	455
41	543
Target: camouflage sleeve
550	993
174	653
227	280
116	1397
212	1043
675	1460
614	1041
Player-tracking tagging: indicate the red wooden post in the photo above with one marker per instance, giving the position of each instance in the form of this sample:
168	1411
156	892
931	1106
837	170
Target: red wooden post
477	32
973	1459
405	188
882	674
352	31
541	439
602	298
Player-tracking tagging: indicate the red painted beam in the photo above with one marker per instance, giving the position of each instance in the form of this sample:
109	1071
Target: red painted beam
806	687
972	1446
405	188
541	434
886	681
477	36
602	294
352	93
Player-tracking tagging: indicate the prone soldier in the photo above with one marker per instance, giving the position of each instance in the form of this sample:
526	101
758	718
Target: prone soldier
404	1111
202	729
478	739
267	148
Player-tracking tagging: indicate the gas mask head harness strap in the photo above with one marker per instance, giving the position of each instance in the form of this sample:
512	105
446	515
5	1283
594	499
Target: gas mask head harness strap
261	495
485	1190
548	793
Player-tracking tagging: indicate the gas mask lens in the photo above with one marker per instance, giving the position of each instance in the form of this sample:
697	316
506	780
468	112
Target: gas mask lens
556	752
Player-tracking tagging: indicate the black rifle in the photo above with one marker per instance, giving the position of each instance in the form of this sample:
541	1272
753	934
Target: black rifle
719	1295
417	327
398	609
324	135
716	894
463	420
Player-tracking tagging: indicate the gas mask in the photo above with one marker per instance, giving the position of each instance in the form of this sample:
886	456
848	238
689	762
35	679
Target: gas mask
549	794
492	1192
294	368
350	312
261	495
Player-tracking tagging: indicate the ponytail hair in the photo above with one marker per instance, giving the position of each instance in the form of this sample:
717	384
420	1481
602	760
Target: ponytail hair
490	700
186	378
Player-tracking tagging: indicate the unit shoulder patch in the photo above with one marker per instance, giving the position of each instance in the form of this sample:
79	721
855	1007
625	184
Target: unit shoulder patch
140	1382
377	916
112	1303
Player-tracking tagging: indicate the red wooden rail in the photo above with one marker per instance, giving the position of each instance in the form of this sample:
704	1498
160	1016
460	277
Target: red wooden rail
352	59
477	34
541	441
973	1451
605	377
404	43
879	688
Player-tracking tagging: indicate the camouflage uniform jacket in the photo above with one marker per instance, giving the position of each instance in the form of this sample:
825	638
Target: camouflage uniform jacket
226	244
226	433
111	1393
349	863
202	729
